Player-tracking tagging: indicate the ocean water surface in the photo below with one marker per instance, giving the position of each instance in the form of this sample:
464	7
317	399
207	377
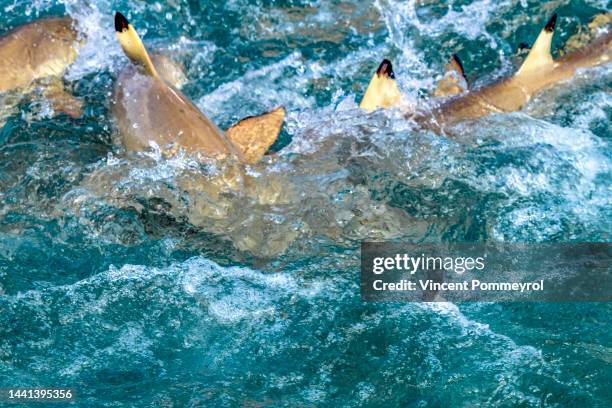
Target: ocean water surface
122	278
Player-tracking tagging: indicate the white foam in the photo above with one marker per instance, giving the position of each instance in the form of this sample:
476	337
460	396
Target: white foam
101	51
230	293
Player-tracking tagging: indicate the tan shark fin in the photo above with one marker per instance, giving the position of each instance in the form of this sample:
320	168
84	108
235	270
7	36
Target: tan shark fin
254	135
539	56
454	81
382	91
132	45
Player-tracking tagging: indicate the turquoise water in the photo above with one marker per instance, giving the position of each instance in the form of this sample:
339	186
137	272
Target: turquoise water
121	280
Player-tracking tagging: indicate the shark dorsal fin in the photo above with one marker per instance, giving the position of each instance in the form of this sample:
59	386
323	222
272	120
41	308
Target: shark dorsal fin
382	91
540	56
132	45
455	65
254	135
454	81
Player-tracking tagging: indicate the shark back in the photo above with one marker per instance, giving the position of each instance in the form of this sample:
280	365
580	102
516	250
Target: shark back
538	72
36	50
147	110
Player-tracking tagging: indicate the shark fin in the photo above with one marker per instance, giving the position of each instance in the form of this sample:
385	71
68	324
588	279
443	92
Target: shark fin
540	56
455	65
132	45
454	81
382	91
254	135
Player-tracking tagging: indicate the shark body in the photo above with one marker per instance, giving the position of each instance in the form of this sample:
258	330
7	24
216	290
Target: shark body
37	54
511	94
150	110
36	50
539	71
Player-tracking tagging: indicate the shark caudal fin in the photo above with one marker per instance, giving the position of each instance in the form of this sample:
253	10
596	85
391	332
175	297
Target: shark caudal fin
382	91
132	45
539	56
454	81
254	135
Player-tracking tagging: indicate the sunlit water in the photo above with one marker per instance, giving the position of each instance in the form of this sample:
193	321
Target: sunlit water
122	278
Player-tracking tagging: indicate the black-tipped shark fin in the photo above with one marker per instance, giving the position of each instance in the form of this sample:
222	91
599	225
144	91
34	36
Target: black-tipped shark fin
540	56
456	66
551	24
382	91
385	69
121	23
132	45
454	81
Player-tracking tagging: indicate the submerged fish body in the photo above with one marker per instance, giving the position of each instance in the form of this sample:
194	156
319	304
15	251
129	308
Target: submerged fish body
43	48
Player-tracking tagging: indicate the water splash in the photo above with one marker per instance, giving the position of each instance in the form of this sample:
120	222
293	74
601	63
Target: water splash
115	268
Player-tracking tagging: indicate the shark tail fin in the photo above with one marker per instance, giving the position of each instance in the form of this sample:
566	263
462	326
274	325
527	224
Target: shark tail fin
454	81
540	54
254	135
132	45
382	91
